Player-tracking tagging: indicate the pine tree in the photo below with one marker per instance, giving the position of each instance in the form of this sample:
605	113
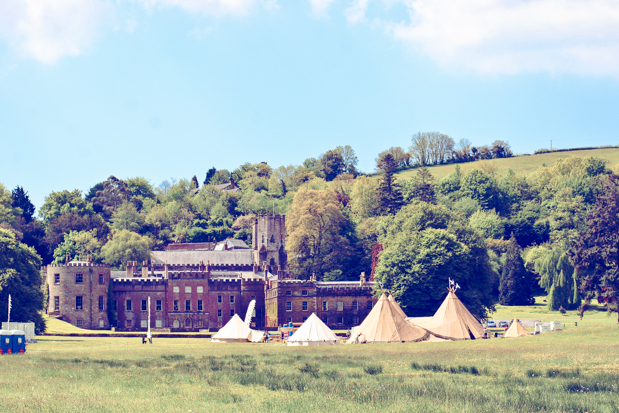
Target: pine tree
22	200
516	282
195	183
390	198
209	175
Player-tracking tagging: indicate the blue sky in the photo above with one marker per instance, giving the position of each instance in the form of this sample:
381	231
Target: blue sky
169	88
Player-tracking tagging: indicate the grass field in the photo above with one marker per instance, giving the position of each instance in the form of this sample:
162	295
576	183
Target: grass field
519	164
573	370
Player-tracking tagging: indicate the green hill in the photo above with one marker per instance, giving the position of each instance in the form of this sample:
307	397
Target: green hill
519	164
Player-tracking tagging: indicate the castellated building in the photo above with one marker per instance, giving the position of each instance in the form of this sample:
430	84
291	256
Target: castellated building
195	287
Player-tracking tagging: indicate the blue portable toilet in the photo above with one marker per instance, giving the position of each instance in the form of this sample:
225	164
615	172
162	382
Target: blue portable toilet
6	341
19	341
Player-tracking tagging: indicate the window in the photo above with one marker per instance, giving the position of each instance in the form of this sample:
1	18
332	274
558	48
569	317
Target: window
200	289
56	278
325	306
175	305
79	278
158	324
176	324
101	303
340	320
199	305
304	305
143	323
101	323
219	300
158	307
176	289
219	313
272	239
369	306
144	305
304	319
231	299
188	323
101	279
231	313
128	323
79	323
340	306
187	305
288	305
78	302
128	305
288	293
188	290
325	319
304	292
355	305
56	303
199	323
355	320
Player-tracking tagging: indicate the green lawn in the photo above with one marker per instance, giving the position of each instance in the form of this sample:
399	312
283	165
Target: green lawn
519	164
596	315
573	370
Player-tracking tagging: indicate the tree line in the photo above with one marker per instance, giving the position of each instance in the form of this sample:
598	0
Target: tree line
503	238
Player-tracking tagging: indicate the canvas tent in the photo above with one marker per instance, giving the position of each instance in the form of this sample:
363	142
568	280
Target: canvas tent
232	332
452	321
313	332
386	323
516	330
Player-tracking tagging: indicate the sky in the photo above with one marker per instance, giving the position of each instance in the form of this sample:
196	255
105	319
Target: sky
169	88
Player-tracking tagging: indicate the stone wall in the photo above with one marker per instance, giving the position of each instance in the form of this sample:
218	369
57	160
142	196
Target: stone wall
78	292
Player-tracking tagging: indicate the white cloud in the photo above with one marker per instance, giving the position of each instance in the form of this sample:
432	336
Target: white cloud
47	30
208	7
509	36
356	12
320	7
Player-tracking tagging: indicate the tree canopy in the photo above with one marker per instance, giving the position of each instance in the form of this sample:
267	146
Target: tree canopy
20	277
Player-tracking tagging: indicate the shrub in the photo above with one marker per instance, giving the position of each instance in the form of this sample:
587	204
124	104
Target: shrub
373	369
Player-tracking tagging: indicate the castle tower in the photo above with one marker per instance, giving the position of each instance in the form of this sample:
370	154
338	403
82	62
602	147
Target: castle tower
269	241
78	293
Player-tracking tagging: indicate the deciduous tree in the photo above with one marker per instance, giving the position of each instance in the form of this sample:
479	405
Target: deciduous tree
315	243
20	277
516	286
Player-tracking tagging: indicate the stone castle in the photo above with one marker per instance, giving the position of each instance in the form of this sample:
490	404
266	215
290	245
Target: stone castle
195	287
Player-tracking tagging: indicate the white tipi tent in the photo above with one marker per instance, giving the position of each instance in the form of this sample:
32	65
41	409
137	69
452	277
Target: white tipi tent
451	321
232	332
386	323
313	332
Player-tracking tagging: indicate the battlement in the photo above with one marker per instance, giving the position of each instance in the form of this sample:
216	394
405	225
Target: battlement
75	264
138	280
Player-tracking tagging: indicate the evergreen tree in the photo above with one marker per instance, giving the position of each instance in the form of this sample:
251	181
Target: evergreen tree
22	200
390	198
209	175
516	281
194	182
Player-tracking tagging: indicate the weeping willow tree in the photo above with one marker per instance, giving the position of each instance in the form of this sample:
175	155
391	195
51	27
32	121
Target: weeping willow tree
557	276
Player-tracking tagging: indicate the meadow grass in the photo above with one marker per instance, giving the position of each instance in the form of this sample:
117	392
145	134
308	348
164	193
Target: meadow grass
574	370
519	164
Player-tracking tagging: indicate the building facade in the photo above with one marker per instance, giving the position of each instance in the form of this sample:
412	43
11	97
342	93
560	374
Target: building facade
201	289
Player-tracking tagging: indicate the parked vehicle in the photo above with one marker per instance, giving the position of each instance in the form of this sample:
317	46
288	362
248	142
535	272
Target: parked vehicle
503	324
491	324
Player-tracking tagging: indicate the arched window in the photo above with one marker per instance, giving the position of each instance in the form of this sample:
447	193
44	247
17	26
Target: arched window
188	323
176	324
272	239
272	262
263	239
